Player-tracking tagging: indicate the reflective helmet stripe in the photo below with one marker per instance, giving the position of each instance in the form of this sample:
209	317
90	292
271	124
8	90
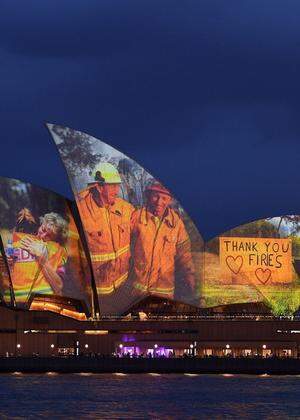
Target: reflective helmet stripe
110	289
161	290
23	293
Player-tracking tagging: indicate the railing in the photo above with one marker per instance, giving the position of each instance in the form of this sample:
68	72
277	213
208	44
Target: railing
236	317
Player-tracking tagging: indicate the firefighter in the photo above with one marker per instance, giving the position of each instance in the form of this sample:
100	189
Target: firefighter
161	247
37	262
106	221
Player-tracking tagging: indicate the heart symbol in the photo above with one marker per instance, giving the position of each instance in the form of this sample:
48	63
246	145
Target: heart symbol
234	263
263	275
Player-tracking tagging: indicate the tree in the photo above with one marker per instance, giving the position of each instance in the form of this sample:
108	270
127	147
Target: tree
293	221
76	150
135	180
258	229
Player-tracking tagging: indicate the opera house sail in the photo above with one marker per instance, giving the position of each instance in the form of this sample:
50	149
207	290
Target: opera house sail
141	241
44	263
255	262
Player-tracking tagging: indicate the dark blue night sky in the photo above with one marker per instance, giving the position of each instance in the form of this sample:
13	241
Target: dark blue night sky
204	94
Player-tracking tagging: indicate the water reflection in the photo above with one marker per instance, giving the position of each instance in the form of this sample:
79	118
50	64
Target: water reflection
84	373
140	396
191	374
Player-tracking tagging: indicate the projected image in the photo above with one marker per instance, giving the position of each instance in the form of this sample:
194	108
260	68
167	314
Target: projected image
256	262
41	242
140	240
6	293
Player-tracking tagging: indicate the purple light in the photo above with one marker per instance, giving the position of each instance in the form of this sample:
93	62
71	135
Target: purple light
128	338
160	352
129	350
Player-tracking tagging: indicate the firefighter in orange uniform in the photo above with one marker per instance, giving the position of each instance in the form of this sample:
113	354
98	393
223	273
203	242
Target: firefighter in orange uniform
106	221
38	261
161	247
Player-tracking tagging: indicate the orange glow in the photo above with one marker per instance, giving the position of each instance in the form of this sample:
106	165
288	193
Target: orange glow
259	261
46	306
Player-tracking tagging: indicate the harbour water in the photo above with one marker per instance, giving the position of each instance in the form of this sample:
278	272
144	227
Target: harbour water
147	396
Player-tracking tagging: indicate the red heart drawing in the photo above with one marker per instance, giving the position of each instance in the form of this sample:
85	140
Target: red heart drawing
263	275
234	263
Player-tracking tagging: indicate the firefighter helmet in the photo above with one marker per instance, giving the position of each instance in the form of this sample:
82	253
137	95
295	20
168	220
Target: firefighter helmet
157	187
105	173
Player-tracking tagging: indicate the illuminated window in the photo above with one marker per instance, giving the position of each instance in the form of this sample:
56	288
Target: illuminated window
95	332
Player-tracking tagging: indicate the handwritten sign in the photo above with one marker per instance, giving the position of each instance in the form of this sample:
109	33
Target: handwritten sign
260	261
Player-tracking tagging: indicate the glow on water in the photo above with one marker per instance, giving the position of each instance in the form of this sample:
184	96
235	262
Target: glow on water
191	374
84	373
176	396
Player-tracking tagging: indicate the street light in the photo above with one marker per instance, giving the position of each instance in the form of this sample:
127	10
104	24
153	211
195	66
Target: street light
52	346
227	346
18	346
155	346
192	349
264	346
86	346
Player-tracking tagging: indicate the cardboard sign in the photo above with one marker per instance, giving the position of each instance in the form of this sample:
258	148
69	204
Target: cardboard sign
260	261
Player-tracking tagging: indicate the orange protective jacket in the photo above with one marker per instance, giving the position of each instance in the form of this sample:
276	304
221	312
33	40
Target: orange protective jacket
160	247
27	271
108	237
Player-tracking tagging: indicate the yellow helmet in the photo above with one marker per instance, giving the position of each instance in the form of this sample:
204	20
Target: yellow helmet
105	173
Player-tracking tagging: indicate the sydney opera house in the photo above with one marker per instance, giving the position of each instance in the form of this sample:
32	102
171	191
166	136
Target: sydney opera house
122	269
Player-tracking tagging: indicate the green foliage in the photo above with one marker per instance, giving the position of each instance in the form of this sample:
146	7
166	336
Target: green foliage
296	246
258	229
220	294
284	302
